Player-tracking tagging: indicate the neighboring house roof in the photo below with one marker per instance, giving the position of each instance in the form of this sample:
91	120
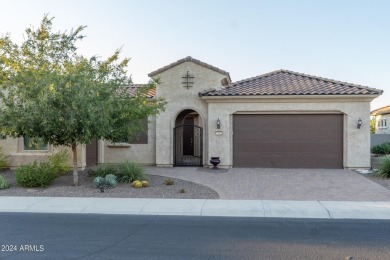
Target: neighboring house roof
381	111
285	82
133	89
189	58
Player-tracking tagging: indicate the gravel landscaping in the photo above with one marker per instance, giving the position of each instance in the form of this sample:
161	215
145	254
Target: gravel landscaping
381	181
62	187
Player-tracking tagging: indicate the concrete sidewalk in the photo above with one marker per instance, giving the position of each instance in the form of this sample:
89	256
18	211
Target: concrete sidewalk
185	207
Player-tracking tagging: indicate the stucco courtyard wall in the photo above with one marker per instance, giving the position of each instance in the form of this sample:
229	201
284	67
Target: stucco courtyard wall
356	141
180	98
18	156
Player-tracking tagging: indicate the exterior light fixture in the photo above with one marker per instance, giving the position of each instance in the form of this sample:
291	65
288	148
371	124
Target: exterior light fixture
218	123
359	123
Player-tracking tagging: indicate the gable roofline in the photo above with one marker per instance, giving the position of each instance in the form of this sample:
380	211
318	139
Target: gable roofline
210	91
381	111
189	58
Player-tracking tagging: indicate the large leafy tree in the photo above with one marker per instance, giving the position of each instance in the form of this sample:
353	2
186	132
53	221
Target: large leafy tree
51	92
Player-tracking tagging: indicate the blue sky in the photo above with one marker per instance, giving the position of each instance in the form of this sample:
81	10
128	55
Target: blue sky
345	40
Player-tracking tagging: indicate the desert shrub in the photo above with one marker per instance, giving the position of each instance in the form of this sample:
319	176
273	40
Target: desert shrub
104	170
124	172
3	159
3	183
381	148
60	162
130	171
35	175
384	167
169	182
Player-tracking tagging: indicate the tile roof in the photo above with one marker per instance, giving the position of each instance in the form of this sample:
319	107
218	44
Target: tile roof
285	82
381	111
189	58
133	89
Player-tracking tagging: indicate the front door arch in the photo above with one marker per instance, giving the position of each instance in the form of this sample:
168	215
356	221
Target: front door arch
188	139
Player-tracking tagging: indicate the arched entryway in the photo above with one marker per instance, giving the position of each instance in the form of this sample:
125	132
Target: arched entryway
188	139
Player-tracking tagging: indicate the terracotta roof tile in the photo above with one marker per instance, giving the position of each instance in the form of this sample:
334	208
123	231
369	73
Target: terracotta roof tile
284	82
133	89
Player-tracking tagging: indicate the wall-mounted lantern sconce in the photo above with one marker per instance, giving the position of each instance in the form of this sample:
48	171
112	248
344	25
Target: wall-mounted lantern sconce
218	123
359	123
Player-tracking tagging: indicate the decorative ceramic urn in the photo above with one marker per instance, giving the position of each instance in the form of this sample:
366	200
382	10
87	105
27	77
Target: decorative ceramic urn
215	161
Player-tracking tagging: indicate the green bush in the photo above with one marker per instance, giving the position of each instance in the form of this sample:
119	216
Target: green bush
104	170
384	167
35	175
60	162
169	182
3	183
381	148
3	159
130	171
124	172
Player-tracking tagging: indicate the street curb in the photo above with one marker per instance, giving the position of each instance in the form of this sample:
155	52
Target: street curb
200	207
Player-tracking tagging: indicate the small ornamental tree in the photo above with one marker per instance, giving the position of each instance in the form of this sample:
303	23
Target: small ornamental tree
372	125
49	91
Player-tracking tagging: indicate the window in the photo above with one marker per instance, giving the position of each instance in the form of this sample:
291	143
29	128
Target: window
382	123
142	137
34	144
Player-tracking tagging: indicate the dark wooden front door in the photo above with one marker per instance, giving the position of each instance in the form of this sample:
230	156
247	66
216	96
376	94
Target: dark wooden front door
92	153
188	145
288	141
188	137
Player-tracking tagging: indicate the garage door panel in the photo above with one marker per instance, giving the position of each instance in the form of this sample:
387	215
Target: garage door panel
267	132
288	141
277	148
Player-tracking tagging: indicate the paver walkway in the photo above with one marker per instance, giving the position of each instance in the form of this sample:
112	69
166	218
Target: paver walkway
281	184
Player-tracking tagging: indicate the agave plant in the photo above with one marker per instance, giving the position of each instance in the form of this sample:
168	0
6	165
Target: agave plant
110	180
103	183
99	183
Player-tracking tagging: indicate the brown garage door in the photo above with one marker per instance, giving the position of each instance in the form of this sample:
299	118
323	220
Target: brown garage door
288	141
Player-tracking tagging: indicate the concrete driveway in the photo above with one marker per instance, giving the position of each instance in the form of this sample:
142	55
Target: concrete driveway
281	184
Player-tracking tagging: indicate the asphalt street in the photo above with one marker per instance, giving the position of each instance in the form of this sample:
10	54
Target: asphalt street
95	236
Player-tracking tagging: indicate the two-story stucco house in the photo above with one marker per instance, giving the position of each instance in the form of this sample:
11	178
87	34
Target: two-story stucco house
382	120
281	119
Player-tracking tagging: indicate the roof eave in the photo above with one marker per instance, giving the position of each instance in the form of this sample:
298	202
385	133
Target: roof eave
356	97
